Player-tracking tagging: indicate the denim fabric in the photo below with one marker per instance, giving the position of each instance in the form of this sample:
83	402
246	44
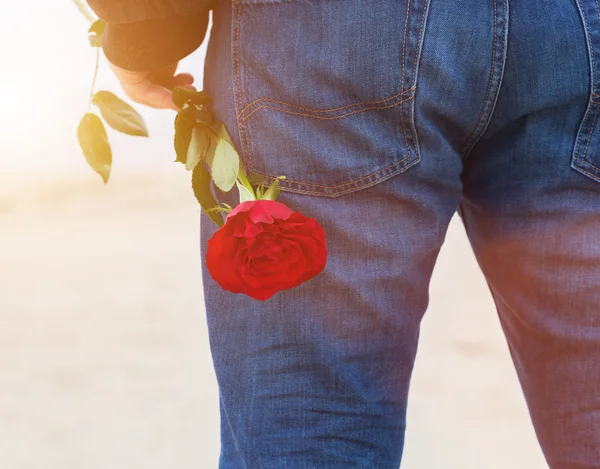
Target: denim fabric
389	116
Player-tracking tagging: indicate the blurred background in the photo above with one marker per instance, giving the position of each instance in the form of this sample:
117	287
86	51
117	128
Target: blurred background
104	358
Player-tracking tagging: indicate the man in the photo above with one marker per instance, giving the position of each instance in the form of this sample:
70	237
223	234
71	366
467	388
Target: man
387	117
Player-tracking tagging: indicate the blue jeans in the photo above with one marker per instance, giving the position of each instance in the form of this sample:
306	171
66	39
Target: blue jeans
387	117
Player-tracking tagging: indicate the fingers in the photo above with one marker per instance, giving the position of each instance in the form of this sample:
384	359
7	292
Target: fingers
150	94
182	79
153	89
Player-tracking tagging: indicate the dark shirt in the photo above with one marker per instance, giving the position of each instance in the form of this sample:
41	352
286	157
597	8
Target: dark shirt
147	34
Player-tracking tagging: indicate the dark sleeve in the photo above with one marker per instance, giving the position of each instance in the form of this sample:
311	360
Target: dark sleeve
147	34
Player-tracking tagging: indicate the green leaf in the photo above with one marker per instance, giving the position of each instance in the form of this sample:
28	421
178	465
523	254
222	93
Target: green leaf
199	144
181	95
222	132
184	125
201	187
94	143
120	115
209	155
203	115
225	165
245	194
96	32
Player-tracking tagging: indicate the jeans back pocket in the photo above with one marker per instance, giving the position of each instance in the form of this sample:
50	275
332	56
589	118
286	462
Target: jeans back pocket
324	90
586	153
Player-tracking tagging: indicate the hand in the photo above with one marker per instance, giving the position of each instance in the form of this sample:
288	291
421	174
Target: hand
153	88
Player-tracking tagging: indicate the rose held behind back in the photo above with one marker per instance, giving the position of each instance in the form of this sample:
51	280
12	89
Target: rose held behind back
265	247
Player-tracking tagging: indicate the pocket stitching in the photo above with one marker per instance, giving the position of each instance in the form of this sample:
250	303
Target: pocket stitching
353	182
348	186
237	80
348	183
579	160
293	106
412	125
585	152
595	96
403	71
591	175
240	122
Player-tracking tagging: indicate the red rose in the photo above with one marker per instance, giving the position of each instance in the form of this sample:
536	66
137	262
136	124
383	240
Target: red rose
265	247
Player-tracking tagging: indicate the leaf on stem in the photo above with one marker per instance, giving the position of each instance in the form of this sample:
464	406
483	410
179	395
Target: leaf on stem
199	143
120	115
225	165
94	143
209	156
96	32
184	125
245	194
201	187
222	132
203	115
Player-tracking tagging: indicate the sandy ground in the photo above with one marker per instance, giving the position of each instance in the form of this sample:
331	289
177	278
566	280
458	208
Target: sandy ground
104	359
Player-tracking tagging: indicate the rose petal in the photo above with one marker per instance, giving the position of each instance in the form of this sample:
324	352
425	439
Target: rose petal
221	262
252	230
240	208
265	211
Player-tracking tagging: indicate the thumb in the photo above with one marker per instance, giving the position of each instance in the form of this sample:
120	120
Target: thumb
151	94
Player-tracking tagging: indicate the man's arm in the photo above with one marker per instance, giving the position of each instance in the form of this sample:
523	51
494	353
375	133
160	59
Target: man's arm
144	40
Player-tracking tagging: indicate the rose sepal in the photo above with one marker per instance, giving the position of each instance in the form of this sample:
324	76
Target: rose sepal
247	192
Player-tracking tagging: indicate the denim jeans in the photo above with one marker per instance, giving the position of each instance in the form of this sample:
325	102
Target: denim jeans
388	117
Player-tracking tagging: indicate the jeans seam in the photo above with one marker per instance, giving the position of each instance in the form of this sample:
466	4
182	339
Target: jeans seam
350	183
359	103
237	81
402	71
471	140
483	123
592	52
585	152
580	133
369	108
325	117
579	154
592	78
594	176
489	87
412	126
